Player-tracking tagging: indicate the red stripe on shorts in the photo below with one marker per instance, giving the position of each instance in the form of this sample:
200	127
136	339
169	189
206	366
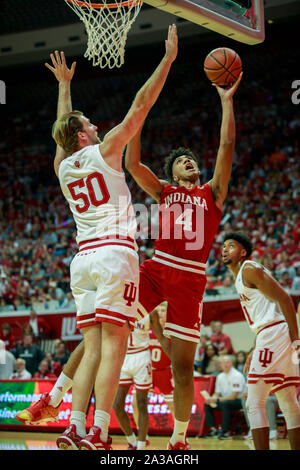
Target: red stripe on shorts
188	335
253	376
84	320
109	237
105	244
116	318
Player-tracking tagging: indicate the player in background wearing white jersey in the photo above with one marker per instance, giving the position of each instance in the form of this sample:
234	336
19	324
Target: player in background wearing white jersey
270	313
160	349
81	162
137	371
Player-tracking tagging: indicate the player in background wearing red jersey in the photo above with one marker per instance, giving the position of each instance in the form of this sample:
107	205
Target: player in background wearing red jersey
137	371
160	349
271	366
190	214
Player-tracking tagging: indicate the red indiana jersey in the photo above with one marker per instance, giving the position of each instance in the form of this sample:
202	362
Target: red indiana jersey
158	357
189	219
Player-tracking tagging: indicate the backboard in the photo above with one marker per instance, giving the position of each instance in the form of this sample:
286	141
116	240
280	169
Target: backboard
241	20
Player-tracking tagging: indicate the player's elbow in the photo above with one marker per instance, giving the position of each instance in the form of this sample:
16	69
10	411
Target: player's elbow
283	297
143	103
227	144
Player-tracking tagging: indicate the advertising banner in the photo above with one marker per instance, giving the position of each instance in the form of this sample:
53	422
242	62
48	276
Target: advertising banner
15	396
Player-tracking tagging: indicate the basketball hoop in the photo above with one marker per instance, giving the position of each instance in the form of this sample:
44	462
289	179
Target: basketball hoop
107	26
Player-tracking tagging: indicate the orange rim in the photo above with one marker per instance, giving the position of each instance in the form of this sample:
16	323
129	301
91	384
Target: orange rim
126	3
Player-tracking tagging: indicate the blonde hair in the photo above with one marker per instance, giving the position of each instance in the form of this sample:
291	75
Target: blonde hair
65	131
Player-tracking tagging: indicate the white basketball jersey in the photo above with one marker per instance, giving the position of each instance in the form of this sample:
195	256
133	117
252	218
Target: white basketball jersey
259	311
139	338
98	196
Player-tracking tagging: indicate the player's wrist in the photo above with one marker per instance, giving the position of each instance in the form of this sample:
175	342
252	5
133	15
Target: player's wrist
226	100
168	60
64	83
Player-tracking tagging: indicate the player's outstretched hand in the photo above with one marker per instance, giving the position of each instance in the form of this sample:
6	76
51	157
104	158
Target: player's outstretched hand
172	43
227	93
60	68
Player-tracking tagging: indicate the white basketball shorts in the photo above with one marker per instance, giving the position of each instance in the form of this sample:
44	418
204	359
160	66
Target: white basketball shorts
137	370
272	358
104	283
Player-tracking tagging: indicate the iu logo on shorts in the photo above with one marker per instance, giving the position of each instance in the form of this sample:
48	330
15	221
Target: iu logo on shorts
265	357
130	293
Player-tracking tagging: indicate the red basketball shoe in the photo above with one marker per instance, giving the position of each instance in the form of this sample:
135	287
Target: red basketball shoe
92	441
178	446
69	440
131	447
39	412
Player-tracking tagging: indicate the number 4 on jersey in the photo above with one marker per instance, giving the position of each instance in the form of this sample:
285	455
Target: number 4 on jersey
185	219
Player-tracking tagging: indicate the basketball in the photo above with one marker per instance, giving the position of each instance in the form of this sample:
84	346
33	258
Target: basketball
223	66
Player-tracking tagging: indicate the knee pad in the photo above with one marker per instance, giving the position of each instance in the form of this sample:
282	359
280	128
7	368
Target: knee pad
256	405
257	414
289	406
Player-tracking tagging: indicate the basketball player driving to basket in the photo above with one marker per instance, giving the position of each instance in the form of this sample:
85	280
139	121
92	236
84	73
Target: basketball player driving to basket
190	214
105	271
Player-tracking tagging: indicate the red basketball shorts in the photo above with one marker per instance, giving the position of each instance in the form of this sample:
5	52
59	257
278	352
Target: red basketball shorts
163	380
182	290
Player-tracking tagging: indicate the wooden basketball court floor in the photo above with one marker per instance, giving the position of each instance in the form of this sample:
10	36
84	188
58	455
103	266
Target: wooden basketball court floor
20	440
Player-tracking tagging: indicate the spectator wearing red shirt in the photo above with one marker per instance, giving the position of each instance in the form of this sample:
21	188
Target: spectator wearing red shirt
41	329
44	371
55	367
7	336
220	339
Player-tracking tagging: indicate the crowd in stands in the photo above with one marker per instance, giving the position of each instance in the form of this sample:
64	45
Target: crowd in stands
25	356
37	231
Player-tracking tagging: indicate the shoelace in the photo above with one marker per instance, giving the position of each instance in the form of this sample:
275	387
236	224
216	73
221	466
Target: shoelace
75	437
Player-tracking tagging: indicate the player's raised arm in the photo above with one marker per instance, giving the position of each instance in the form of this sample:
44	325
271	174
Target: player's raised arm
144	177
271	289
222	172
115	140
64	76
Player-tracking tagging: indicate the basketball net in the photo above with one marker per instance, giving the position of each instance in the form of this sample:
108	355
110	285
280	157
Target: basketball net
107	26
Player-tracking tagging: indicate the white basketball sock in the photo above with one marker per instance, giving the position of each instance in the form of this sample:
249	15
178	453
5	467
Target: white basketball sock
62	385
179	431
102	419
141	445
131	439
78	418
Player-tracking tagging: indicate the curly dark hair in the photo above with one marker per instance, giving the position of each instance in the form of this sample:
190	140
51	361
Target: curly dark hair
169	160
242	238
